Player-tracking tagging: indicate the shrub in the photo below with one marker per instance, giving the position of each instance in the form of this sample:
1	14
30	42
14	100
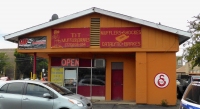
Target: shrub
164	103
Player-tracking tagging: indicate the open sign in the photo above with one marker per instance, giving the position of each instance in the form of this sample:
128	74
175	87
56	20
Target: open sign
70	62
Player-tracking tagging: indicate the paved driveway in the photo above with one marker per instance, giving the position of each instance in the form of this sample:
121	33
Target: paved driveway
125	106
132	106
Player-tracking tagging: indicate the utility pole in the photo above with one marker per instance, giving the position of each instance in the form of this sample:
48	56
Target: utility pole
14	70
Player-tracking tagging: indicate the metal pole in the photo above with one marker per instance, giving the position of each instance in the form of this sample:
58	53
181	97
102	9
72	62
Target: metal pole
34	66
91	81
14	70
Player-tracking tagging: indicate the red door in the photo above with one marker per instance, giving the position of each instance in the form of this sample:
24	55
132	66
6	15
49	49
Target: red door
117	85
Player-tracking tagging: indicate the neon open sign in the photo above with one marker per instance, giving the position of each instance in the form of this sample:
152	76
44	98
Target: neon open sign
70	62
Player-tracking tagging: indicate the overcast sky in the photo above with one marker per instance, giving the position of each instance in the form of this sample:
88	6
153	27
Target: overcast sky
20	14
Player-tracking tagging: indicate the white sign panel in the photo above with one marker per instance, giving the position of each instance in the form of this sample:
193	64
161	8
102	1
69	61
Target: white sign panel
161	80
70	74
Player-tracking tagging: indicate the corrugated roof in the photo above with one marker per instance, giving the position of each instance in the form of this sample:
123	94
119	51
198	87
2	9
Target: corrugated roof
183	35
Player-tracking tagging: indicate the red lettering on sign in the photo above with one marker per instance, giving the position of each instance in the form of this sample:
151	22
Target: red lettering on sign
70	62
77	62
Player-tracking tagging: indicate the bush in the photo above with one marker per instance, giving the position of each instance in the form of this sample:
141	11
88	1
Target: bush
164	103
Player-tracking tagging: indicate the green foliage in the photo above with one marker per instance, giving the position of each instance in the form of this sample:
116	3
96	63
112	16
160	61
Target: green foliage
24	64
192	52
3	61
193	55
164	103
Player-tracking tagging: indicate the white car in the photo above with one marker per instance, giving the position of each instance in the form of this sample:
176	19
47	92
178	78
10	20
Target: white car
32	94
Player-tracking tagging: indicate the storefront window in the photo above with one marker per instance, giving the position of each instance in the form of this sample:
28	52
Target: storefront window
94	86
84	81
98	82
70	79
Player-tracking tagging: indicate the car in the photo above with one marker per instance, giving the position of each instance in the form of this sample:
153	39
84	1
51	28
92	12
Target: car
181	87
191	97
192	78
101	77
95	82
36	94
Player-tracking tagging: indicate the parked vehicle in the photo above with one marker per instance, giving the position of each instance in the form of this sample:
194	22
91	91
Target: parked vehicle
181	87
4	78
191	97
36	94
95	82
193	78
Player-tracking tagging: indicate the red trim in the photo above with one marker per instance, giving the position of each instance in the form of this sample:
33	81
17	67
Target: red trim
34	64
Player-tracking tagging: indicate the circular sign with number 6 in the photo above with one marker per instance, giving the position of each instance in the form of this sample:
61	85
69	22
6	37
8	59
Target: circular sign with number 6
161	80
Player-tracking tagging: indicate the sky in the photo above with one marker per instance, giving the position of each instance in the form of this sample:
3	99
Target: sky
21	14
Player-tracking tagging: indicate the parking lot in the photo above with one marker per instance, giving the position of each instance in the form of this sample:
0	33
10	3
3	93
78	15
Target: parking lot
131	106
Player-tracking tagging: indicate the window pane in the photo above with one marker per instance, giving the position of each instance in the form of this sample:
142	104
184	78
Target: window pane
98	81
15	88
117	66
70	81
193	94
3	89
36	90
179	62
97	84
84	75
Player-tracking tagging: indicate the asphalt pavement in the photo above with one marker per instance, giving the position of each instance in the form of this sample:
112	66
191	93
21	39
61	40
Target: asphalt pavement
131	106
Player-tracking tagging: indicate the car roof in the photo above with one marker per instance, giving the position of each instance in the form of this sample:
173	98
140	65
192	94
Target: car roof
28	81
92	79
195	83
196	76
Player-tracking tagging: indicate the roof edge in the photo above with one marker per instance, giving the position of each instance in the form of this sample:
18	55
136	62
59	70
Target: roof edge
183	35
143	22
50	23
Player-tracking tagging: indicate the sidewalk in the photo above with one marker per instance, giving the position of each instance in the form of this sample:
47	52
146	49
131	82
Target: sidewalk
128	105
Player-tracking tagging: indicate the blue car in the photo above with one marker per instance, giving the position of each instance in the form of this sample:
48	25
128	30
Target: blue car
191	97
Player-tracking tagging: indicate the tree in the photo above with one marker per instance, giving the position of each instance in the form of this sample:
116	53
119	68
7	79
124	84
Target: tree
192	52
3	62
24	64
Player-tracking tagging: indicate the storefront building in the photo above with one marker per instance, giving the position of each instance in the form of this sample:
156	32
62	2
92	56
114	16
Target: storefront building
107	56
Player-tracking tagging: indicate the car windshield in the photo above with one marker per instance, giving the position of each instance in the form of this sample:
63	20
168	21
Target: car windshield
192	94
59	89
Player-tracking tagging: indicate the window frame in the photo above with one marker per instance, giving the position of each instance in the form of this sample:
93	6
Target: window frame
6	88
50	92
22	91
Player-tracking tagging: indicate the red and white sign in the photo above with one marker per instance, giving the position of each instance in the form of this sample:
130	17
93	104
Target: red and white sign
70	62
161	80
122	37
70	38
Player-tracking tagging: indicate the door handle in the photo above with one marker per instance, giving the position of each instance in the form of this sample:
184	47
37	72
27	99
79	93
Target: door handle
25	99
1	96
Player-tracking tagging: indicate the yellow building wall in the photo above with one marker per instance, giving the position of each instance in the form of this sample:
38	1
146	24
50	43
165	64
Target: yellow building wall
152	39
157	63
163	44
141	77
148	65
128	75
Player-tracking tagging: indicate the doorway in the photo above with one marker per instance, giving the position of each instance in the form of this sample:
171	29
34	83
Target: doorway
117	81
70	79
